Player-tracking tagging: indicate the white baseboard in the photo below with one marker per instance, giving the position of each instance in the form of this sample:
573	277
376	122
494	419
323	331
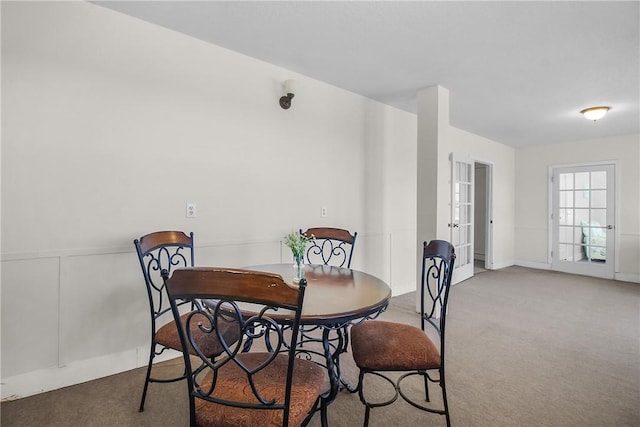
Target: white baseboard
503	264
53	378
533	264
625	277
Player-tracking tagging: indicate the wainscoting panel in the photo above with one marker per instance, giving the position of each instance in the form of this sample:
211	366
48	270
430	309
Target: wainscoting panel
103	306
29	315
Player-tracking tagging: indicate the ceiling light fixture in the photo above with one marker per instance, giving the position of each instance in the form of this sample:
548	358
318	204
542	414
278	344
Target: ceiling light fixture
594	113
290	87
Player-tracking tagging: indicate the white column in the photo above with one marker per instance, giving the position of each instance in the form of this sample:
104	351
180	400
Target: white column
433	183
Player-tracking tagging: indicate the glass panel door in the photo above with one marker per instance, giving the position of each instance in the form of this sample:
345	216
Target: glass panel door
583	220
462	194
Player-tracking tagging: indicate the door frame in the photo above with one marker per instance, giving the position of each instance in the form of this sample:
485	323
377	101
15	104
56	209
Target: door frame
488	226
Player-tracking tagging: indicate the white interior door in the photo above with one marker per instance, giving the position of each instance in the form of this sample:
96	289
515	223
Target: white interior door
461	225
582	220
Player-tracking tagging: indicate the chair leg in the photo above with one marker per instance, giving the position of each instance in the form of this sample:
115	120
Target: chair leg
444	399
146	379
367	410
360	390
426	387
323	415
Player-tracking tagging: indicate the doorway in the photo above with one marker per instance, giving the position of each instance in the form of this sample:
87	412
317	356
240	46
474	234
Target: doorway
471	215
483	221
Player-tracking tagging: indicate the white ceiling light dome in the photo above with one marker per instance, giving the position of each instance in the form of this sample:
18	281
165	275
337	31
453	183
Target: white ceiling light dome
595	113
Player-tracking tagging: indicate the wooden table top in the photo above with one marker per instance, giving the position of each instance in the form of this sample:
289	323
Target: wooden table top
334	294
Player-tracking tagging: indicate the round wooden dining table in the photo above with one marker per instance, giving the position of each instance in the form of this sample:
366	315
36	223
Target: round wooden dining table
335	298
334	295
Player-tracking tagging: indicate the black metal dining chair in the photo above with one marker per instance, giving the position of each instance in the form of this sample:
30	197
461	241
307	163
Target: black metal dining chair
241	387
158	251
330	246
380	347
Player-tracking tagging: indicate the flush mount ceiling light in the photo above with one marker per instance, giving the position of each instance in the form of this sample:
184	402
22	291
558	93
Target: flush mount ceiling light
594	113
290	87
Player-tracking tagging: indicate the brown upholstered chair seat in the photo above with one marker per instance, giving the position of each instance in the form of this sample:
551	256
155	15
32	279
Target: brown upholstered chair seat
386	346
232	384
167	336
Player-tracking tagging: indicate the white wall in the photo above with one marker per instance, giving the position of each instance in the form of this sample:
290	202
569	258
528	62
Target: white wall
110	125
532	207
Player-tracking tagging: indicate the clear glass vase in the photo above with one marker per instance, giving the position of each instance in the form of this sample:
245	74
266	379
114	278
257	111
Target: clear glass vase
299	267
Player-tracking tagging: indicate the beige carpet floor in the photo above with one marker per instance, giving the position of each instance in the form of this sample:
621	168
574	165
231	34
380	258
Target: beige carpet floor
524	348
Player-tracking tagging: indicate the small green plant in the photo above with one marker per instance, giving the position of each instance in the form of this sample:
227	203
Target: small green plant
297	242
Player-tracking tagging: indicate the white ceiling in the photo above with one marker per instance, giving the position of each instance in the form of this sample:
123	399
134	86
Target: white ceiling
518	72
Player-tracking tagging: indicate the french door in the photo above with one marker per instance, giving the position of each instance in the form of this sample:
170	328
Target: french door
461	225
582	219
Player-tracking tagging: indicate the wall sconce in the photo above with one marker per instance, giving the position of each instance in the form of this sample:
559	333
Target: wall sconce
594	113
290	87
